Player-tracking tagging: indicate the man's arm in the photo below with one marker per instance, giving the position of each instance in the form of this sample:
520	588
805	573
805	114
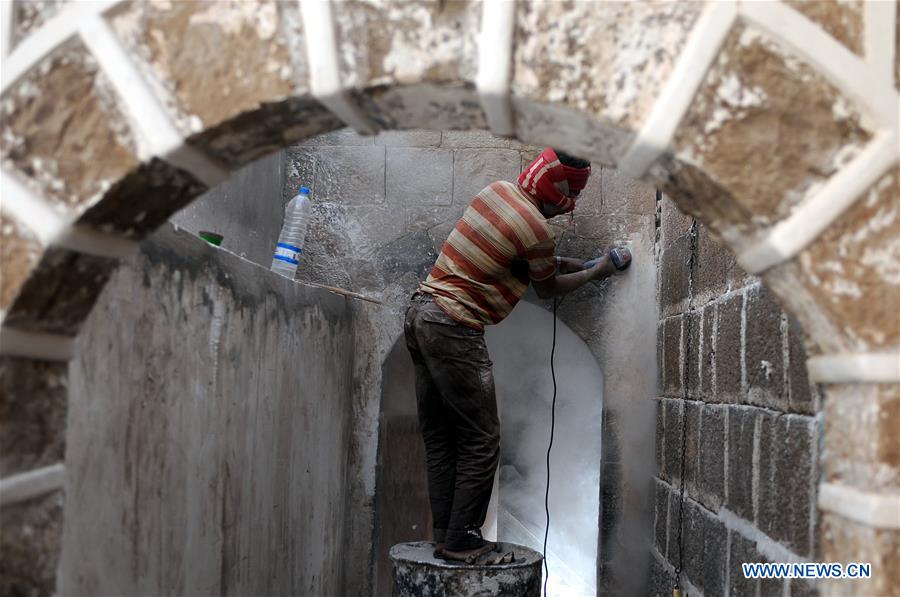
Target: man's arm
560	284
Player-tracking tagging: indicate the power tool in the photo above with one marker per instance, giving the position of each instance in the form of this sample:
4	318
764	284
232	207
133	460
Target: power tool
620	256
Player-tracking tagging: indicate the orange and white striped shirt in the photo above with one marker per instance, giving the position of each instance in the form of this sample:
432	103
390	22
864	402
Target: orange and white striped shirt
501	242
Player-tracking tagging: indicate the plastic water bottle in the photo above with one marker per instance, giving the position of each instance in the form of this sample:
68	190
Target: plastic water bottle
290	242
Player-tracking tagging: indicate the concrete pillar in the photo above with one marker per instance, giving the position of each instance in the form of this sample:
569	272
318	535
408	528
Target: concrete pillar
417	573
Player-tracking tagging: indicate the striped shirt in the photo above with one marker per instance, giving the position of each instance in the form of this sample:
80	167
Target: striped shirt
501	242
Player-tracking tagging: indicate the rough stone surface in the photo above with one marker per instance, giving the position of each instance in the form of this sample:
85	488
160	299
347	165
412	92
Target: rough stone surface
707	356
626	53
63	132
417	573
716	271
763	351
704	535
711	470
787	475
60	292
693	353
739	491
420	175
384	42
204	430
852	269
211	62
674	280
802	394
32	414
253	134
672	370
661	517
763	110
729	359
30	16
623	194
842	20
415	138
20	250
576	133
846	541
474	169
143	200
861	443
350	176
30	535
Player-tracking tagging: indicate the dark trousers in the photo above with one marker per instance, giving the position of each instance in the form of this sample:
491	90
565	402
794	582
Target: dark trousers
457	417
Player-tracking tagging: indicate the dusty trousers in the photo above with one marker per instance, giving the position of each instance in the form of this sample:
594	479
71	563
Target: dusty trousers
457	412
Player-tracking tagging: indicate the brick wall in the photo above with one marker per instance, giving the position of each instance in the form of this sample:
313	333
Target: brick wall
733	391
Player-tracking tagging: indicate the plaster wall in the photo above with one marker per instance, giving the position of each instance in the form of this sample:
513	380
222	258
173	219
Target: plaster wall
209	424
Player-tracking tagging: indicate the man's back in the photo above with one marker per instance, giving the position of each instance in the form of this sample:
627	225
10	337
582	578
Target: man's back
501	241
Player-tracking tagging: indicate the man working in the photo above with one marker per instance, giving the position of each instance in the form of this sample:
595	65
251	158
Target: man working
502	242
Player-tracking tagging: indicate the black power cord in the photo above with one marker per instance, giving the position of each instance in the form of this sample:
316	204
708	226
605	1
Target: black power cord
550	447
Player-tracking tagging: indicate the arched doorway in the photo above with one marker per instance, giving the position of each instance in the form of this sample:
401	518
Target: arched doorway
520	348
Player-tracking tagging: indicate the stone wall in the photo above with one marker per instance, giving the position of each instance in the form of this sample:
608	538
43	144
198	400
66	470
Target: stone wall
734	392
208	435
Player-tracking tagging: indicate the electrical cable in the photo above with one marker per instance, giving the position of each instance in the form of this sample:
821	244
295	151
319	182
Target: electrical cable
550	447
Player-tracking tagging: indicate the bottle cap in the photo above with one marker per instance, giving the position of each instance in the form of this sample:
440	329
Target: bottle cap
304	190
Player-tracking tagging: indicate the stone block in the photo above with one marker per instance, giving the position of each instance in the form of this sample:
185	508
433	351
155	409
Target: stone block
739	490
693	353
377	42
711	472
802	588
661	580
20	250
350	175
764	350
715	269
863	450
30	540
707	355
787	478
660	434
842	20
762	109
673	223
674	276
417	176
474	169
62	131
617	76
850	269
413	138
801	393
692	446
847	541
32	414
742	551
143	200
670	339
671	470
252	54
661	518
60	292
729	362
625	195
704	535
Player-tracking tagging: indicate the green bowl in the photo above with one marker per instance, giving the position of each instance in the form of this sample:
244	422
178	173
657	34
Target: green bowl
213	238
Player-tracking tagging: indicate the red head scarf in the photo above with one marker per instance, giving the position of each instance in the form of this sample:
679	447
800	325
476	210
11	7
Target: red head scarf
538	178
